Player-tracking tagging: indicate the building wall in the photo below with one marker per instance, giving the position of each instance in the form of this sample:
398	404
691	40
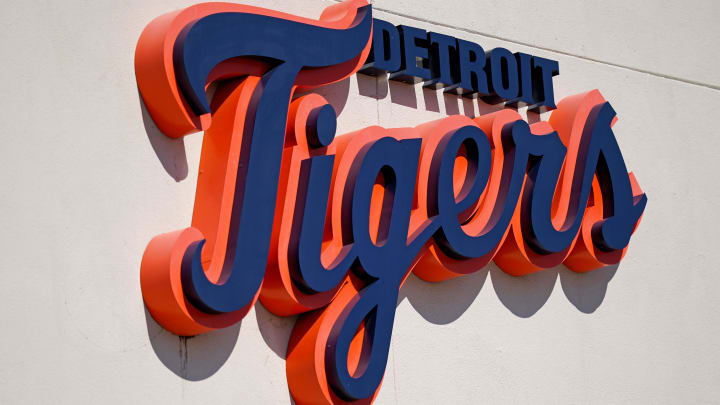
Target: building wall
87	180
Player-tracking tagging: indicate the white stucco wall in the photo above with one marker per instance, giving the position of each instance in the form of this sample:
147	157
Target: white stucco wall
86	181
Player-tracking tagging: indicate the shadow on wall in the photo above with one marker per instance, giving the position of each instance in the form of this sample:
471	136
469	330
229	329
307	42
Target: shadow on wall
275	330
379	87
336	94
442	303
586	290
192	358
200	357
170	151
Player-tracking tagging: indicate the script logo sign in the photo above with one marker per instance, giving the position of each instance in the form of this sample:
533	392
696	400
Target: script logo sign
329	227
